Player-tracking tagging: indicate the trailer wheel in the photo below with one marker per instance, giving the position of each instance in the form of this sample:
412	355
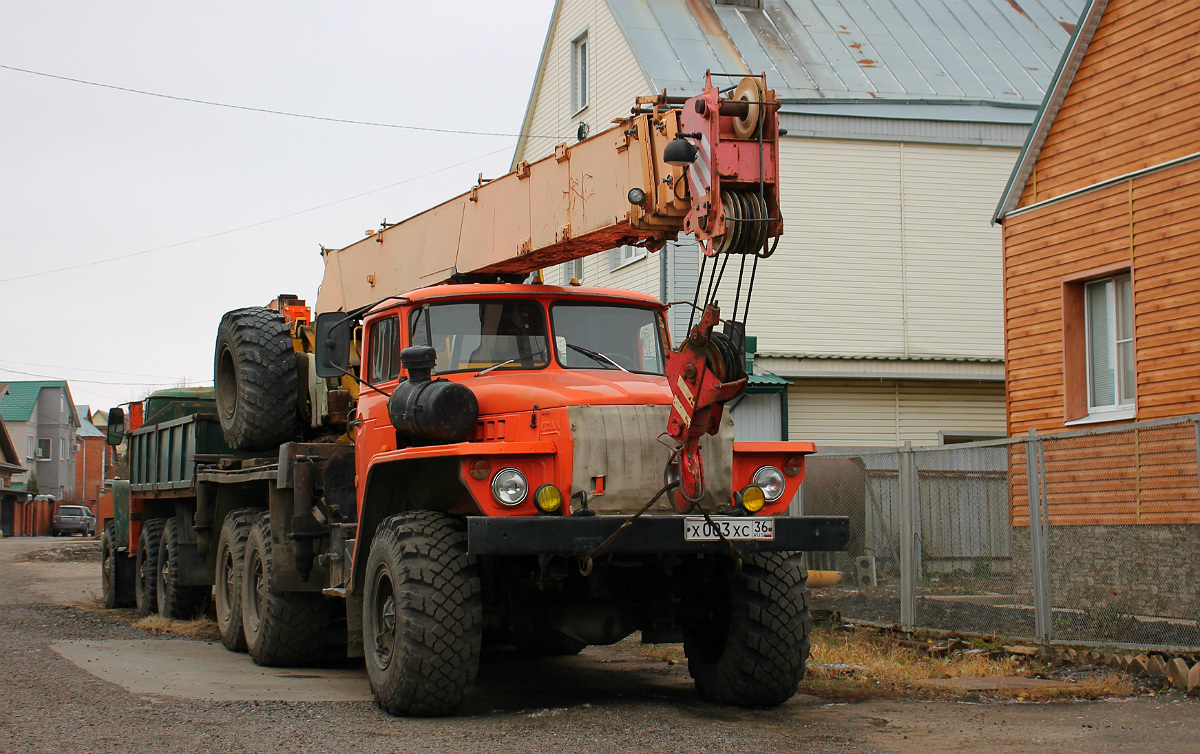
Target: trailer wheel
281	628
422	615
145	584
176	600
116	571
227	592
256	379
748	643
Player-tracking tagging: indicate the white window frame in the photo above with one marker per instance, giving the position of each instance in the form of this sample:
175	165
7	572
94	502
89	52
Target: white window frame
48	453
1124	394
30	448
623	256
572	270
580	70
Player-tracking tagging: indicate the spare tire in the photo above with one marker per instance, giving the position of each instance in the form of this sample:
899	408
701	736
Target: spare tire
256	379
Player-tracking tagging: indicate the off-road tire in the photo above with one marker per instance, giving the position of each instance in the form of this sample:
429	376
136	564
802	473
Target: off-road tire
750	644
281	628
422	615
145	582
256	379
116	571
175	600
227	591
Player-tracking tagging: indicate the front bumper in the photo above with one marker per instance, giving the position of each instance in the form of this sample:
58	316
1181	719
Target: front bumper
579	535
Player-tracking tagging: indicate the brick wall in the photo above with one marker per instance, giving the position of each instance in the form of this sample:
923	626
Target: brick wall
89	469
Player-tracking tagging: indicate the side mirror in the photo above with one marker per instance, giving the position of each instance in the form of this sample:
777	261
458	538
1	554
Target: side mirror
116	426
334	331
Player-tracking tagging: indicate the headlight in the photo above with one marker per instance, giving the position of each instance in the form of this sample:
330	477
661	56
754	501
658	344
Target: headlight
509	487
770	479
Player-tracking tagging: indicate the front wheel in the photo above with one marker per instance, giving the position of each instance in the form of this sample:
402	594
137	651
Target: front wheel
145	586
422	615
747	642
281	628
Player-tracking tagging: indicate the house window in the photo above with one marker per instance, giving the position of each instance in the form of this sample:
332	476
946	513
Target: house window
30	451
572	270
624	255
1099	370
44	451
1109	323
579	73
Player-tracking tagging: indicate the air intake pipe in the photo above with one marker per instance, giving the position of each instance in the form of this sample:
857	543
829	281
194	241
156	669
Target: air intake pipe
430	412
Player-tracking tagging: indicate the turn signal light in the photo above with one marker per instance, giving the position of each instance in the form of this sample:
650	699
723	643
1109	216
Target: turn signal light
793	466
548	499
480	469
753	499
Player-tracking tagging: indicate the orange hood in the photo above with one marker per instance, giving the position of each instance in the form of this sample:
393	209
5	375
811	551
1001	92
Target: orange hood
502	392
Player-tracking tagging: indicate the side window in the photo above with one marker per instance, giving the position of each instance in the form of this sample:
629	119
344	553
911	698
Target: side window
579	73
385	352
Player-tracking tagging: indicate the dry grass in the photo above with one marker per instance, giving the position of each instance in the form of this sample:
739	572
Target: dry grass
859	664
851	662
204	629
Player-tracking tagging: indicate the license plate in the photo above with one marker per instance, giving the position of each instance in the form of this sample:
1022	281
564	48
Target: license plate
698	529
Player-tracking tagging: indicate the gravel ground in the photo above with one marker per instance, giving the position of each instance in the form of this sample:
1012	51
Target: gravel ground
605	700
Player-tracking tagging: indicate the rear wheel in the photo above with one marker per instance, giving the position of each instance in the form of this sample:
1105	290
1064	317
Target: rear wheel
145	589
175	600
256	379
422	615
227	592
281	628
747	644
116	571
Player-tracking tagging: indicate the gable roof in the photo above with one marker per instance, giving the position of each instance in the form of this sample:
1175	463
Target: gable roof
22	398
1057	91
981	60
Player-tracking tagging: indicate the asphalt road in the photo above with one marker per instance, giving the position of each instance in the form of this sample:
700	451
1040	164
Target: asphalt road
72	679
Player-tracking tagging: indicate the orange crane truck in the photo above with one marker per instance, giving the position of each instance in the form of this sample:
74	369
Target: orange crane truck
453	455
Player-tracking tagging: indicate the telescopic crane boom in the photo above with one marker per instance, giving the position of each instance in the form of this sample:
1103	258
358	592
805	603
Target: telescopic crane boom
706	165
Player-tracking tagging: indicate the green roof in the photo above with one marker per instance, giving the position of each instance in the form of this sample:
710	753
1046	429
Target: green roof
22	398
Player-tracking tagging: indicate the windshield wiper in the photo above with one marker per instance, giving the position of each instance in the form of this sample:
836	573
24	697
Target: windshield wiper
535	355
596	356
482	372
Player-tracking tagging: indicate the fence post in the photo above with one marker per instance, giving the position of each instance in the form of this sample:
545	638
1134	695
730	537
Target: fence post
908	538
1037	545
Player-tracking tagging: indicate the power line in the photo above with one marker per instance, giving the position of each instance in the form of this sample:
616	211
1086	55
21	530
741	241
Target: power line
268	111
124	373
211	236
185	383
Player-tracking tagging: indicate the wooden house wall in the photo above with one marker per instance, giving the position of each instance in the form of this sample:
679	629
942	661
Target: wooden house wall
1133	104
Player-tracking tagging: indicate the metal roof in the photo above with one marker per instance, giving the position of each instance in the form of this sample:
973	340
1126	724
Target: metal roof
87	429
978	60
22	397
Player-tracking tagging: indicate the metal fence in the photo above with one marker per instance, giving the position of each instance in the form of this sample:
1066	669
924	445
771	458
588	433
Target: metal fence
1088	537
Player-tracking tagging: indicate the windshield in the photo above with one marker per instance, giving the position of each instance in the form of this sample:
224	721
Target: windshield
608	336
481	334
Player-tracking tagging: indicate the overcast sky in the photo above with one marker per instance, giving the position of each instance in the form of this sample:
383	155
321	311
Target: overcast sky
230	206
